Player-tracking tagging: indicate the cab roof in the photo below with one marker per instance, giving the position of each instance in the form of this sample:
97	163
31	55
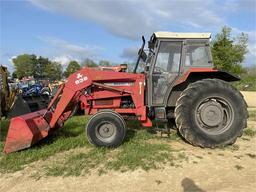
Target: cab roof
174	35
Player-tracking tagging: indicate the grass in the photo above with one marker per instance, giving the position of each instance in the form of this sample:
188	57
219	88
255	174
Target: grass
68	153
158	182
239	167
253	156
69	137
249	132
252	115
136	152
247	82
140	149
233	147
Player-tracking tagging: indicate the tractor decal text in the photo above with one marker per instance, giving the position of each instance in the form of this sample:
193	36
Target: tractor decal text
80	78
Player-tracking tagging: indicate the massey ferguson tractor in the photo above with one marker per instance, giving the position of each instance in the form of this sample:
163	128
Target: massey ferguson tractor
174	80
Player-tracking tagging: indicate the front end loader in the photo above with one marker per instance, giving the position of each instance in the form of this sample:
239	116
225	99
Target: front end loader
95	90
177	81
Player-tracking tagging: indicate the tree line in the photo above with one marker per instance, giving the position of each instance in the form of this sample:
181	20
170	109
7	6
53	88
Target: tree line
228	54
73	66
43	68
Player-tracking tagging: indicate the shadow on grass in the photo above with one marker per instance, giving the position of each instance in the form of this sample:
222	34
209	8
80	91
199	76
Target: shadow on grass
4	125
60	133
135	126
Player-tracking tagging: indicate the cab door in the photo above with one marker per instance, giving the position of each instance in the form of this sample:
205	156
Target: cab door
165	69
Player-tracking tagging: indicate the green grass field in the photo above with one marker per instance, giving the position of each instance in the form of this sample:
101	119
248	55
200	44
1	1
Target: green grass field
67	151
137	151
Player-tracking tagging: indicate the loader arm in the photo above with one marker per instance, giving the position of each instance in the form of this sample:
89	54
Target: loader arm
75	90
94	90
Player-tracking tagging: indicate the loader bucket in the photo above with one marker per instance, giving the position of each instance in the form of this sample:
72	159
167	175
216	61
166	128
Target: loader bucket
25	130
19	107
28	104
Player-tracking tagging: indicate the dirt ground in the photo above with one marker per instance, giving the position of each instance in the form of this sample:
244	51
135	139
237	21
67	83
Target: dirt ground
250	97
231	169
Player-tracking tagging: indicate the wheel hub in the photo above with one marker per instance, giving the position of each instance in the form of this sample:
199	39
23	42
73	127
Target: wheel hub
106	130
211	113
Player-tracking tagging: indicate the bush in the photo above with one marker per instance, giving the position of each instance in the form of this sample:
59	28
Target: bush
248	80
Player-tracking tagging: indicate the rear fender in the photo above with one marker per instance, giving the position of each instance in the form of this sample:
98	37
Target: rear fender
195	74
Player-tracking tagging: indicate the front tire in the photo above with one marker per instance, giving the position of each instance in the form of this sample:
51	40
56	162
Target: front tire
106	129
211	113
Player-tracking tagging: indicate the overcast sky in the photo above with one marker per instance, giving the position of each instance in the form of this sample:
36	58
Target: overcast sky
65	30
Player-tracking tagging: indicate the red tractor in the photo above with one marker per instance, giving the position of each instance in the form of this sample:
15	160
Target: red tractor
175	80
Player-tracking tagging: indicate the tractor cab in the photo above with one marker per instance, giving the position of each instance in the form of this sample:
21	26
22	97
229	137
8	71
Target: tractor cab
170	56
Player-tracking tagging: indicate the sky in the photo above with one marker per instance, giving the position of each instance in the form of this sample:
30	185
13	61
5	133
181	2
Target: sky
65	30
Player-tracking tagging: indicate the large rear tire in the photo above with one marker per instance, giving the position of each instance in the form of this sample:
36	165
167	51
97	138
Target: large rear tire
106	129
211	113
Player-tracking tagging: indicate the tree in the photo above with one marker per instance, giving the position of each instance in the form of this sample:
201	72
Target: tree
104	63
229	52
25	65
14	75
38	67
53	71
73	66
89	63
41	67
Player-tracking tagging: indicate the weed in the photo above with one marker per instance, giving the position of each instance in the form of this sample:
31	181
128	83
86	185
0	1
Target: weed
158	182
239	167
238	156
182	155
233	147
249	132
252	115
101	171
253	156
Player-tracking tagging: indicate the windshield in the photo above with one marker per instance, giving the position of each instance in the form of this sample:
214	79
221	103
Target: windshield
142	64
143	57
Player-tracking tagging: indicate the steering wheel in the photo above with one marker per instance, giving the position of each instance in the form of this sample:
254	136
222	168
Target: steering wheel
159	70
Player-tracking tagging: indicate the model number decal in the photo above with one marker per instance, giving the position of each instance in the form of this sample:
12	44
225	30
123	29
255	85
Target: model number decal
80	78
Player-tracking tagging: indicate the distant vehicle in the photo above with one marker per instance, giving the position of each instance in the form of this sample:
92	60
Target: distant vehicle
35	90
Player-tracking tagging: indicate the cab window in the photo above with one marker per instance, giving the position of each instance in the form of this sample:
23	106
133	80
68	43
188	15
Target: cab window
197	54
168	57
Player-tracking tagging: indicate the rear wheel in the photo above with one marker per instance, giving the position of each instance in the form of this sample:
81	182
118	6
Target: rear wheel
106	128
211	113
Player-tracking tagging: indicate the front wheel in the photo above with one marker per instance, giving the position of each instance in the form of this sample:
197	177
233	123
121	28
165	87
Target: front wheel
106	128
211	113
